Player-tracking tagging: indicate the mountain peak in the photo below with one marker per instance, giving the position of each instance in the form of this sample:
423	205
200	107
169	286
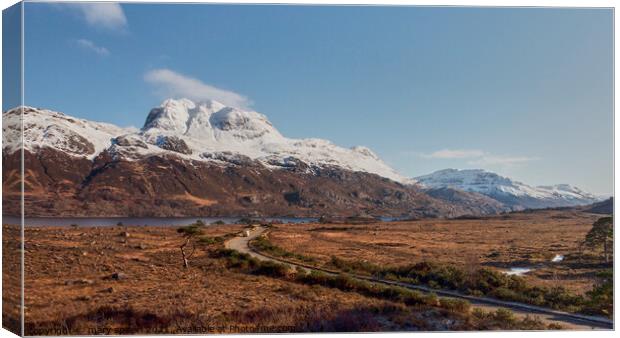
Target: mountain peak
206	120
506	190
191	104
177	115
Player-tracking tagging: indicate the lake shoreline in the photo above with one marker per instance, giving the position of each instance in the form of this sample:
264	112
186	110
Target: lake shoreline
141	221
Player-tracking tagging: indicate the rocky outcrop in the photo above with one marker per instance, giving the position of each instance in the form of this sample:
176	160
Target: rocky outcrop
173	143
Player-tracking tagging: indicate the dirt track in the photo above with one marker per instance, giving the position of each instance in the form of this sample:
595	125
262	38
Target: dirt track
567	320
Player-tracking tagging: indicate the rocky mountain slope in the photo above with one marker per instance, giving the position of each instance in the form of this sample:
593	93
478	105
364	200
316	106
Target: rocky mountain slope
514	195
206	159
197	160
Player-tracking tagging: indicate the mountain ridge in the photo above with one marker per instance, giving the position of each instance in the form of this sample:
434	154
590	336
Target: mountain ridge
221	144
208	129
514	194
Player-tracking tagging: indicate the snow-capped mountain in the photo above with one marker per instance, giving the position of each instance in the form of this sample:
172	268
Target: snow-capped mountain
514	194
45	128
203	158
196	159
203	131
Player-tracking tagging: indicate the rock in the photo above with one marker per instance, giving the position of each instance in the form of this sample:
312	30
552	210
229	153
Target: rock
107	290
125	141
227	156
83	298
140	246
124	234
173	143
116	276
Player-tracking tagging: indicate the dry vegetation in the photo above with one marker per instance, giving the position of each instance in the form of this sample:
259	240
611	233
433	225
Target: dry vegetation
518	239
119	279
131	280
11	278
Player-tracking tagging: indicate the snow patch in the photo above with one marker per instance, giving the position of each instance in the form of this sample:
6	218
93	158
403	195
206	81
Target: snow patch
210	130
494	185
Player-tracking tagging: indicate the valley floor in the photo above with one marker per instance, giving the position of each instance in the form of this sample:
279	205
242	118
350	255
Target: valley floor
521	239
119	280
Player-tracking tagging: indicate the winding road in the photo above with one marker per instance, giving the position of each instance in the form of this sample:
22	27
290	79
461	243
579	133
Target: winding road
566	319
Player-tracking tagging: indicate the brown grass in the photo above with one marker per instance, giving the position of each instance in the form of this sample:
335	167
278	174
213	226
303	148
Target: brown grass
69	290
520	239
11	278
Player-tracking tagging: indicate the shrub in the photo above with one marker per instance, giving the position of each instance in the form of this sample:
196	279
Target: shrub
504	293
210	240
455	305
555	326
271	269
236	259
504	315
248	221
192	229
263	244
353	266
479	282
343	282
601	297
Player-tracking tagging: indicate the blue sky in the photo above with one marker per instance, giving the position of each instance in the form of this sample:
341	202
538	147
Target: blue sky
523	92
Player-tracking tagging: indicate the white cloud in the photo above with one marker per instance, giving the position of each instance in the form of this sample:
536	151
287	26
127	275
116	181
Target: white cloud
456	153
172	84
501	160
91	46
104	14
478	157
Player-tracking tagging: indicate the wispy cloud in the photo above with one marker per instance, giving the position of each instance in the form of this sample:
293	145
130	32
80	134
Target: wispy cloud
489	160
168	83
103	14
478	157
455	153
91	46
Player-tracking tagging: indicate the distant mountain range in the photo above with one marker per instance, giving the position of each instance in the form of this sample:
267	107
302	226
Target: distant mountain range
512	194
206	159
